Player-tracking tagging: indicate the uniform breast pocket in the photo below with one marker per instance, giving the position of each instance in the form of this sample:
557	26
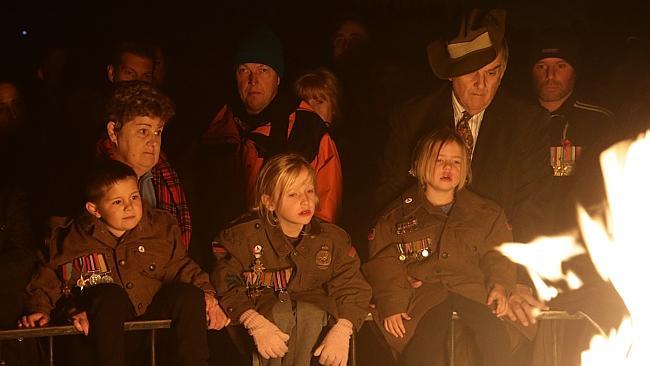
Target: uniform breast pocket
152	258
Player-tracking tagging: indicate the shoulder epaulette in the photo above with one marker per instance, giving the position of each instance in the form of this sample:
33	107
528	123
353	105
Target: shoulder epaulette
404	204
593	108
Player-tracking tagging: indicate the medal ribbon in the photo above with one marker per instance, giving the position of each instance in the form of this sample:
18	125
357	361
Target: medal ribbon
276	280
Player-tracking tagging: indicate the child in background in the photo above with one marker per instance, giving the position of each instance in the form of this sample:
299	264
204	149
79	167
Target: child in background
284	274
321	89
432	253
123	261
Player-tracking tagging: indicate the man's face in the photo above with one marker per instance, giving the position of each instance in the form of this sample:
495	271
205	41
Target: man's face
257	85
554	79
348	36
476	90
137	144
132	67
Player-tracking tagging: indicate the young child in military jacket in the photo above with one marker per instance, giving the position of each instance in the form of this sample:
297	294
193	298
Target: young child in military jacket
283	273
122	261
432	253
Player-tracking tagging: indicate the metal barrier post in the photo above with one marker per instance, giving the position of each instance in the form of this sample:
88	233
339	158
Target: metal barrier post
50	347
153	347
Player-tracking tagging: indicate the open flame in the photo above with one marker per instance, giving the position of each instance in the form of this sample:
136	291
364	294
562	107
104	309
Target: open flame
618	246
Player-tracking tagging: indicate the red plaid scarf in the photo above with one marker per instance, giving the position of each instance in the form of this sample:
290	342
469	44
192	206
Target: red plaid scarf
169	192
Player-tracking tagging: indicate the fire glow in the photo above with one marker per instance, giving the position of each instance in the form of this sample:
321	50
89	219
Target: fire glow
618	246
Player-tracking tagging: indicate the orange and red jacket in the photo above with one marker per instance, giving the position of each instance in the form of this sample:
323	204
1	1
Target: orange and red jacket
224	130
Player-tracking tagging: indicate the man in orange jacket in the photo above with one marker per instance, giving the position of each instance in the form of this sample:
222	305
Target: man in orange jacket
259	123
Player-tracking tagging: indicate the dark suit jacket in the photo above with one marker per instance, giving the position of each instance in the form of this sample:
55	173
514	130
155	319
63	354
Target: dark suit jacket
510	164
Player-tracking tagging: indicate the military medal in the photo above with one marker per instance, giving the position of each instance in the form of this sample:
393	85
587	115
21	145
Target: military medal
94	270
563	157
107	279
283	296
419	249
258	267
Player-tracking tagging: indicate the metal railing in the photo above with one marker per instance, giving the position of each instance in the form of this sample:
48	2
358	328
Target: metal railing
54	331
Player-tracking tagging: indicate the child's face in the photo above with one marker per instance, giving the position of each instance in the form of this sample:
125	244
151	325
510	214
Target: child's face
120	207
446	174
322	107
297	205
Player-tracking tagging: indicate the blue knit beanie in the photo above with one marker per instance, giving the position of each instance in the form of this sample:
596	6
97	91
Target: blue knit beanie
261	46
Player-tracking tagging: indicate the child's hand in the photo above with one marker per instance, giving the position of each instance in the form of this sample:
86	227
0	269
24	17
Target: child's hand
80	322
334	349
271	342
498	296
33	320
215	316
395	325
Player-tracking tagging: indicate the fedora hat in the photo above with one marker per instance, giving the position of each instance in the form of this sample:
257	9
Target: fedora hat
477	44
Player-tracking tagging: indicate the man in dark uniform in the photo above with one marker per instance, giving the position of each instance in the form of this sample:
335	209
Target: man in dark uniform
576	128
578	131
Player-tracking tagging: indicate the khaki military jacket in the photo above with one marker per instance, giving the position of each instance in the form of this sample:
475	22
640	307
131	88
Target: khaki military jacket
460	255
143	259
324	269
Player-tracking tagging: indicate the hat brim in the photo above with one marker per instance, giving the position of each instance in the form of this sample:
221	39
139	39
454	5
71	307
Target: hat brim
444	67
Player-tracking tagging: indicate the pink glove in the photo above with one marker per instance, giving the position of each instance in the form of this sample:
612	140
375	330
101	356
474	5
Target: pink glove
270	341
334	349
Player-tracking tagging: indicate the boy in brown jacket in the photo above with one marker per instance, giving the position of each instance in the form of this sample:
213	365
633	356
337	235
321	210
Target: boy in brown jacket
123	261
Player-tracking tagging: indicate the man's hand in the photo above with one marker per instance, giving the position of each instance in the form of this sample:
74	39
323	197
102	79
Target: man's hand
215	316
414	282
80	322
395	325
523	306
33	320
498	296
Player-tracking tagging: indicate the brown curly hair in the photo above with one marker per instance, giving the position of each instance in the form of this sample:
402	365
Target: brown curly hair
134	98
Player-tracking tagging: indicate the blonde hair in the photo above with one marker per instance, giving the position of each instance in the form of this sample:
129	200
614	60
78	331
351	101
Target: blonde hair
427	151
276	176
320	84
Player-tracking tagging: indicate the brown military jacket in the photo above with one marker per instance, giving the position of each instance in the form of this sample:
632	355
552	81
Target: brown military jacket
324	264
460	255
140	261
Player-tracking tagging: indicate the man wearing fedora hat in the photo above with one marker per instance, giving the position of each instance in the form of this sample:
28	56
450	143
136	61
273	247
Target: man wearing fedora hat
505	137
509	161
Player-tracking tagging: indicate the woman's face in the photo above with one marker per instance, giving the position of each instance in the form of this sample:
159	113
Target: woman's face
138	143
322	107
446	173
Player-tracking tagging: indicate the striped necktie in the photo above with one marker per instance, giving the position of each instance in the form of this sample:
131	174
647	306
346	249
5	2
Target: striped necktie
462	127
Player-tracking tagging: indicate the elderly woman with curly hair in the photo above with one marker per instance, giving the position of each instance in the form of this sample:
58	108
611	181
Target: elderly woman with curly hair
136	114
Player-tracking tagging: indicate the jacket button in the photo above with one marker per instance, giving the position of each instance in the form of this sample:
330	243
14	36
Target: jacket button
141	249
230	309
140	306
129	285
152	267
257	225
122	262
444	255
294	253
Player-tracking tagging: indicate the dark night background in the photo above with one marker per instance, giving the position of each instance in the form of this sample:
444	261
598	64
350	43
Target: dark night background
200	38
